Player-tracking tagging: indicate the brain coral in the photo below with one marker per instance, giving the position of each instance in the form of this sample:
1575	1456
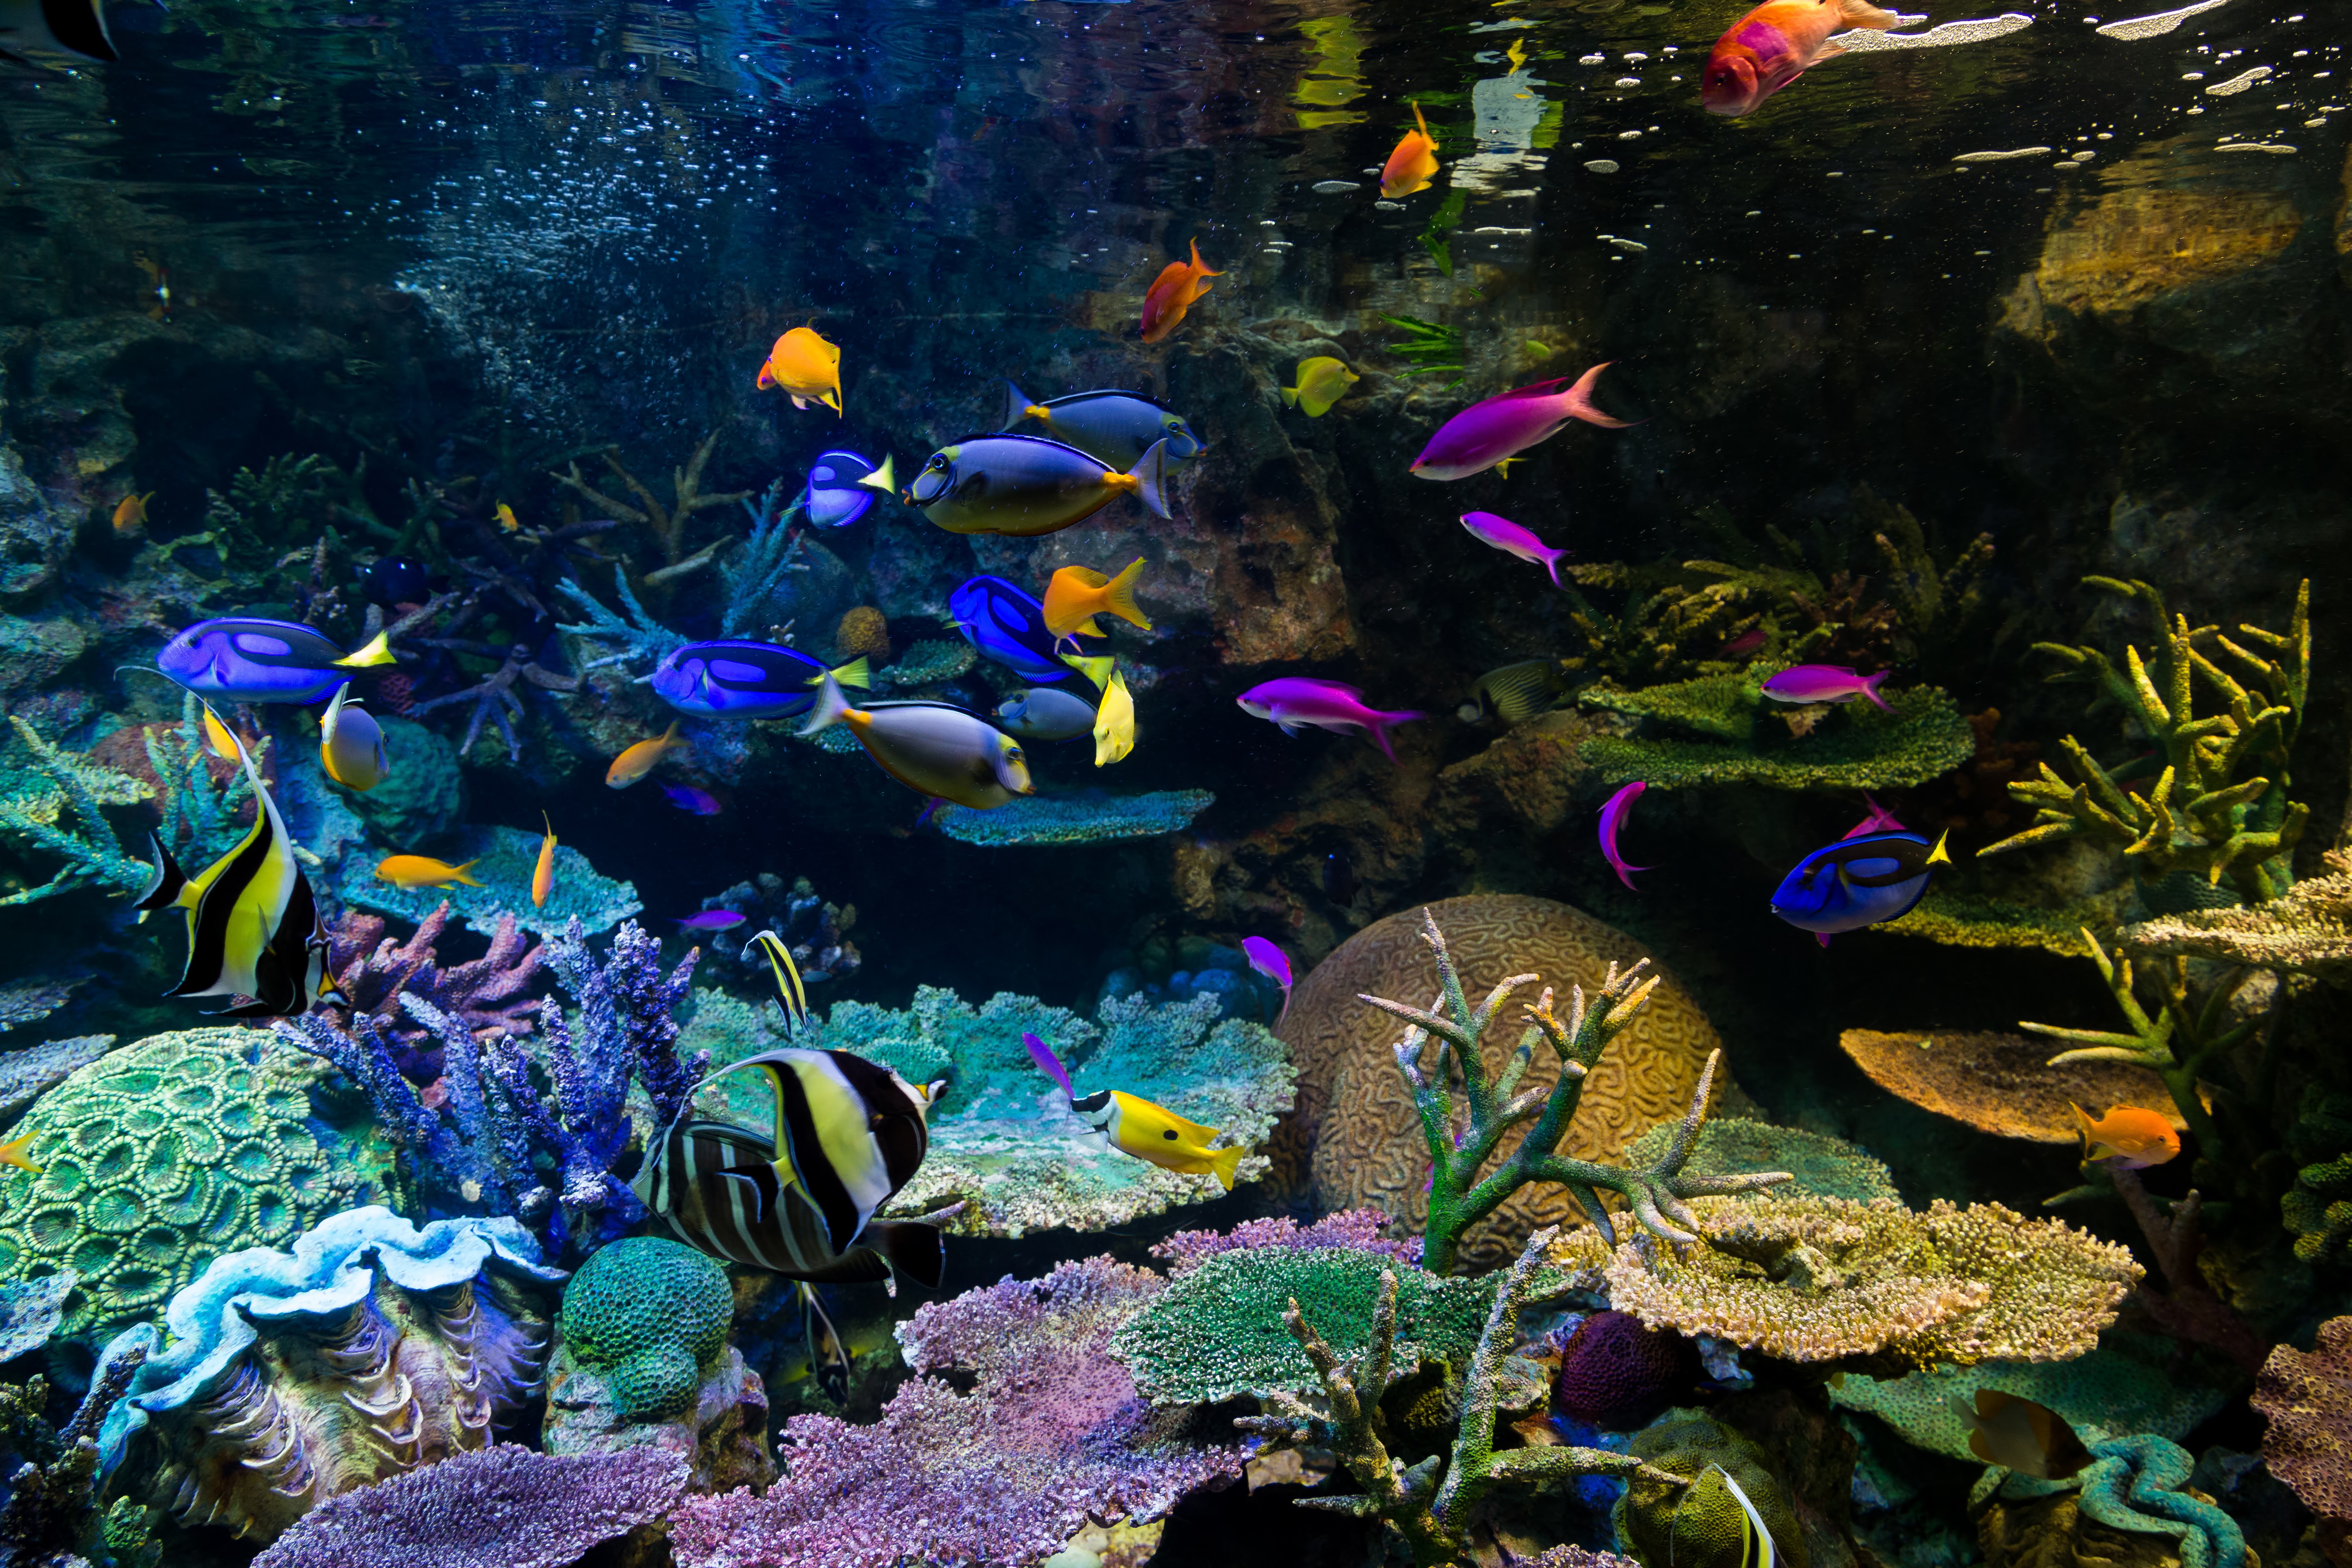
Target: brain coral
159	1158
652	1314
1358	1121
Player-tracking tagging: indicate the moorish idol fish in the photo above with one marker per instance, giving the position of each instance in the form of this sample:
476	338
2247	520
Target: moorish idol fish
1754	1538
1135	1126
253	927
848	1134
828	1354
1857	882
791	991
737	678
245	658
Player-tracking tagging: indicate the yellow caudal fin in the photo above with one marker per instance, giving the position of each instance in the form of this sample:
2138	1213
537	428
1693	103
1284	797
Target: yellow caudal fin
1119	595
1224	1163
858	672
378	651
1290	397
1939	858
457	873
1863	13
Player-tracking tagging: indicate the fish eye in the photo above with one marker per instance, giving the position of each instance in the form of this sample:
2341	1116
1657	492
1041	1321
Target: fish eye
938	465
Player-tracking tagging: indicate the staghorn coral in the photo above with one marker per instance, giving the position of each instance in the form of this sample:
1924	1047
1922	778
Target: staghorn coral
369	1348
1818	1165
1357	1228
2306	1398
504	859
666	521
2126	1385
371	970
1822	1279
635	638
30	1071
1731	734
1047	1431
1089	819
2308	930
1357	1129
159	1157
2000	1084
55	805
500	1507
1463	1132
651	1314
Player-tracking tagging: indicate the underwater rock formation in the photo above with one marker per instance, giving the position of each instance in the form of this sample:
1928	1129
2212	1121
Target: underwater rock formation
2000	1084
369	1348
1356	1128
503	861
423	796
49	1506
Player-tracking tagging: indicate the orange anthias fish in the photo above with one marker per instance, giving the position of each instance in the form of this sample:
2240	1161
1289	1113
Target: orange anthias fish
640	759
2128	1137
807	366
1172	294
422	871
1771	45
131	513
542	878
1414	163
1077	595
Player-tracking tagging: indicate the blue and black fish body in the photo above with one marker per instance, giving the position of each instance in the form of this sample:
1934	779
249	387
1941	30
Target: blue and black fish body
739	679
72	27
833	497
1858	882
249	658
1115	426
1005	624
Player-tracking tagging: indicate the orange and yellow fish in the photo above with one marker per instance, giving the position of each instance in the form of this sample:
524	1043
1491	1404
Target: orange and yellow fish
807	366
411	872
507	518
1413	162
13	1153
542	877
217	737
1773	45
641	758
1077	595
1173	293
131	513
2128	1137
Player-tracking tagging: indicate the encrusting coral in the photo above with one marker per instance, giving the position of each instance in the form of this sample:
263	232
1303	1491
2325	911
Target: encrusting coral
1729	733
2306	1398
2000	1084
2125	1386
1700	1524
1817	1164
1076	819
369	1348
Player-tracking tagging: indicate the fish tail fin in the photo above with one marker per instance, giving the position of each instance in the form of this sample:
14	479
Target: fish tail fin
1551	563
164	885
2082	1124
1579	403
1203	267
1289	397
1118	594
1870	690
830	706
1227	1163
457	873
669	740
1378	728
1939	855
1863	13
1151	472
1017	407
828	1357
884	479
1422	126
1051	1065
1823	937
911	1249
859	672
377	651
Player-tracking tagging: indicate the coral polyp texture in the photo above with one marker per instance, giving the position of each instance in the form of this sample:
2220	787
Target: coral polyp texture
2306	1398
2000	1084
1722	730
158	1158
2121	1387
369	1348
1818	1164
1038	1431
1823	1279
1089	818
651	1315
503	861
2308	930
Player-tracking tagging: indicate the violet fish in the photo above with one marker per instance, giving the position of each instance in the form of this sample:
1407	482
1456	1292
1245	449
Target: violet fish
1295	699
1051	1065
1614	812
1880	820
1492	434
1274	963
1825	683
1512	540
711	920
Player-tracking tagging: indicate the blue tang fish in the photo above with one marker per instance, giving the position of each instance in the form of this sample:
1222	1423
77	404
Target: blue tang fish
1858	882
739	679
843	487
1004	624
1116	426
245	659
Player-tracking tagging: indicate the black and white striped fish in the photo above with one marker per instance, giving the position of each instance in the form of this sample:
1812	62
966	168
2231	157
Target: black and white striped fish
801	1203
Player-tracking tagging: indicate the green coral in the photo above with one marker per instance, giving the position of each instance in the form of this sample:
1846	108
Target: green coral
1217	1333
1078	819
159	1157
1950	918
503	860
1700	1524
928	663
2117	1389
1730	733
1818	1164
56	804
652	1315
422	795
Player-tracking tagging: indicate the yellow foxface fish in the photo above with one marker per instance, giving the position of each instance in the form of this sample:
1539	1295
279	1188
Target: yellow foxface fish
1114	722
542	876
800	1202
422	871
807	366
931	747
790	990
641	759
131	513
1076	594
2034	1439
351	744
1322	382
253	927
1137	1127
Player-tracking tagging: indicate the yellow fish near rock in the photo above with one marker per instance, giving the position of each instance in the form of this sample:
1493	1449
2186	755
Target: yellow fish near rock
1114	722
1322	382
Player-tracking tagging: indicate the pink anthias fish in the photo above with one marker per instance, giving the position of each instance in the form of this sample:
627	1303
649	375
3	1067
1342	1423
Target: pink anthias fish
1492	435
1512	540
1880	820
1614	812
1295	699
711	920
1271	962
1823	683
1048	1063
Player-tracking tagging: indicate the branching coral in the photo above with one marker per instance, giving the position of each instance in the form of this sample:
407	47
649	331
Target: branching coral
2309	930
754	574
1076	819
494	697
48	1510
59	809
635	638
666	521
1465	1129
1734	734
485	994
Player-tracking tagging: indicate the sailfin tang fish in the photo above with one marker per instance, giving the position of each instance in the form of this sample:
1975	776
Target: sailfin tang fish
828	1356
1857	882
791	991
1517	692
1117	427
245	658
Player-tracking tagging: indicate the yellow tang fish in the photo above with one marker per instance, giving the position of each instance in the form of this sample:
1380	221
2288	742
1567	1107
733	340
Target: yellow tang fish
641	759
219	737
422	871
542	876
131	513
15	1152
1114	722
1322	382
507	518
807	366
351	744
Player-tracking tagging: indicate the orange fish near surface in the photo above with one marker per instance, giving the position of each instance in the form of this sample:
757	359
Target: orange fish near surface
1771	45
807	366
1413	164
2128	1137
1172	294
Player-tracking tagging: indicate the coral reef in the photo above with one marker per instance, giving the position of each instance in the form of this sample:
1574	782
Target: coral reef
1615	1370
934	661
30	1071
635	638
423	796
1356	1128
49	1508
373	971
2306	1399
651	1314
815	929
2000	1084
2124	1386
666	521
1037	1431
57	807
500	1507
1687	1516
369	1348
2307	931
1089	818
30	1001
1357	1228
161	1156
1728	731
503	861
1820	1279
1817	1165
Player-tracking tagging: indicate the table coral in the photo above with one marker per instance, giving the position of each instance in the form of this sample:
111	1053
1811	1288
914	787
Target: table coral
1818	1165
2308	930
2000	1084
2111	1391
1734	734
1089	819
1046	1431
2306	1397
369	1348
651	1314
503	860
159	1157
504	1507
1819	1279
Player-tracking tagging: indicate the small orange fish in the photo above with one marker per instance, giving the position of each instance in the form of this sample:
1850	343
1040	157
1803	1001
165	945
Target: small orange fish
2128	1137
1413	164
1173	293
641	759
1774	45
131	513
807	366
1077	595
543	880
422	871
12	1153
507	518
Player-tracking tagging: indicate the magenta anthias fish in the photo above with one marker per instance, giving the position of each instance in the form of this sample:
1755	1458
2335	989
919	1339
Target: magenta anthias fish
1880	820
1295	699
1823	683
1614	812
1512	540
711	920
1494	433
1273	962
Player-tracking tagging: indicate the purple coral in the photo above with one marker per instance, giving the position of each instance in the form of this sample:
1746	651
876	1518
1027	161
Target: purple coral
1051	1431
486	992
2307	1401
1359	1230
502	1507
1615	1373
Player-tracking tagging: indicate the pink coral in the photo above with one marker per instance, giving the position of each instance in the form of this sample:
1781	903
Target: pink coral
2307	1400
1357	1229
1616	1373
1051	1433
373	970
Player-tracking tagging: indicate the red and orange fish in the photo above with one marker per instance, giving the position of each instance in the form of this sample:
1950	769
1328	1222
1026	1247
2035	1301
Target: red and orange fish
1773	45
1413	162
1172	294
2127	1136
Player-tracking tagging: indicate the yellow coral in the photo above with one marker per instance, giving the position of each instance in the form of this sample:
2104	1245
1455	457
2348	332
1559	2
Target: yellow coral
862	631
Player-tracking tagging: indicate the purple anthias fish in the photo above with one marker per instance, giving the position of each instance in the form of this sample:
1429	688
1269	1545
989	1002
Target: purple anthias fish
1823	683
686	797
1614	812
1512	540
1051	1065
712	920
1748	641
1271	962
1295	699
1494	433
1880	820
